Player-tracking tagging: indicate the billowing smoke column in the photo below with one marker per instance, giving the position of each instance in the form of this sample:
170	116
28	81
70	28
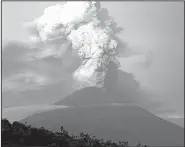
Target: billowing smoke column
89	32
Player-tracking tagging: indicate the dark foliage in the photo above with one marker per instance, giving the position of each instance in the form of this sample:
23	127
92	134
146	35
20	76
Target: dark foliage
18	134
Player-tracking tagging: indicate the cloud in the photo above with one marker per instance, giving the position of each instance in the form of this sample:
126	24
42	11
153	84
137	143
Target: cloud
12	58
175	116
28	67
23	81
30	76
135	58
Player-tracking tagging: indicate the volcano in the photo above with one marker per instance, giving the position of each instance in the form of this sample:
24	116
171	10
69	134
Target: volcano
86	29
120	87
91	112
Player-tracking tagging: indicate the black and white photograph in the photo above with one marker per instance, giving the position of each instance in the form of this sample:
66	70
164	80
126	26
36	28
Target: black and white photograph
92	73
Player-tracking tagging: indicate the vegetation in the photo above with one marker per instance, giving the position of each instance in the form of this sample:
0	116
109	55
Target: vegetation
18	134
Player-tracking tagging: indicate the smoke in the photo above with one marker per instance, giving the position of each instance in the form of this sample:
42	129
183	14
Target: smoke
85	33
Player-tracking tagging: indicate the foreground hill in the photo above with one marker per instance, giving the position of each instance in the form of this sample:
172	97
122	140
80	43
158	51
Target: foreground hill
129	123
18	134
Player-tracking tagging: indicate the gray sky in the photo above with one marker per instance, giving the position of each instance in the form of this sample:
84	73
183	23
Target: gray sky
148	26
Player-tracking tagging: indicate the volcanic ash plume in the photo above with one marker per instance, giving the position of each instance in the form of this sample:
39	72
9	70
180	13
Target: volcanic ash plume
90	34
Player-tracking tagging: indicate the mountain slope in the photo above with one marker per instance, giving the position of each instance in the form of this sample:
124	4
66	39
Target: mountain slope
129	123
177	121
86	97
92	96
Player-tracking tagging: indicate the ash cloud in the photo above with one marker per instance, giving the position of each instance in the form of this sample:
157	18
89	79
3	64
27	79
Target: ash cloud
90	35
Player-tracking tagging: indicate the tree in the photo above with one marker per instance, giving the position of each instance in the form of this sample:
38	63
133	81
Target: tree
19	134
